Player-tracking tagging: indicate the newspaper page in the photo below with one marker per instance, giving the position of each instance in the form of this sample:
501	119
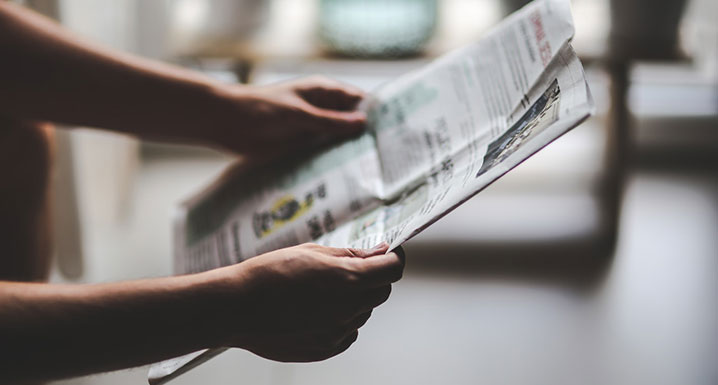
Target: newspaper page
435	138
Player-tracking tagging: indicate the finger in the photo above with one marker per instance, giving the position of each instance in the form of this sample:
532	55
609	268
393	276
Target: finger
401	253
331	98
381	248
331	94
344	345
378	270
333	122
359	321
330	337
368	300
377	296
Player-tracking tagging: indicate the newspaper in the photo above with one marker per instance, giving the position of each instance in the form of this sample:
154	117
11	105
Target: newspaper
435	138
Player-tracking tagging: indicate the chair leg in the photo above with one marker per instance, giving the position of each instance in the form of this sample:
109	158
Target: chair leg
618	147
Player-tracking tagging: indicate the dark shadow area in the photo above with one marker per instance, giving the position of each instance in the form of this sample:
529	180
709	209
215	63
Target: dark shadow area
578	264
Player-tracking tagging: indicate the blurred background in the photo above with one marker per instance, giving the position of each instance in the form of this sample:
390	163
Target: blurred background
594	262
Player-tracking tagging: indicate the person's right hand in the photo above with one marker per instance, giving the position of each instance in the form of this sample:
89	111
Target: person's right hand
305	303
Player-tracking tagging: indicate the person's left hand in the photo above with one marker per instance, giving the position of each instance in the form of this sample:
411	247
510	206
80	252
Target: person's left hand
291	117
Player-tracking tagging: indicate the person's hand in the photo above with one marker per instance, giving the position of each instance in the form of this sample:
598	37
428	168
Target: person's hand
305	303
291	117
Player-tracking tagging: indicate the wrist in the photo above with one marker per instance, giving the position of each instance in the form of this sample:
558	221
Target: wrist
224	296
232	113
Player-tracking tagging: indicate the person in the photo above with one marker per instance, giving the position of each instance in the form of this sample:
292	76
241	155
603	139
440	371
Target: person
303	303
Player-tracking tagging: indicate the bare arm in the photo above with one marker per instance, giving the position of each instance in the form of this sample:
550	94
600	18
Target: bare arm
54	331
297	304
48	74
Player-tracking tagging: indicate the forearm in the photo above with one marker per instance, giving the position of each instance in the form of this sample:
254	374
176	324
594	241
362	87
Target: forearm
48	74
52	331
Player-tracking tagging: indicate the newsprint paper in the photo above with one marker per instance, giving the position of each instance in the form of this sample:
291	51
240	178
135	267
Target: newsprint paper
435	138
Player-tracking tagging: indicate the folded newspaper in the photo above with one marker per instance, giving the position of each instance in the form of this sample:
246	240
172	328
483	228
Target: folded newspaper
435	138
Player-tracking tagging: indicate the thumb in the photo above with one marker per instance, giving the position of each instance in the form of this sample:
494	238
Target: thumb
335	122
379	249
376	266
